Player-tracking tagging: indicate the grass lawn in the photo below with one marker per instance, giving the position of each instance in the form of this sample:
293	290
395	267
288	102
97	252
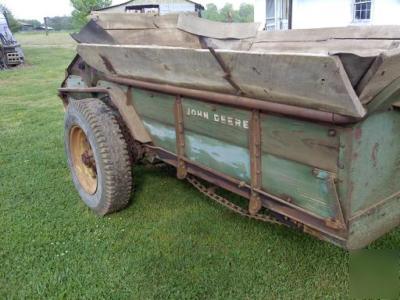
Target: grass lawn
171	242
39	39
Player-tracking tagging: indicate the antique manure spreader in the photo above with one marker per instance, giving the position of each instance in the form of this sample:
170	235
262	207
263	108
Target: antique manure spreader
303	123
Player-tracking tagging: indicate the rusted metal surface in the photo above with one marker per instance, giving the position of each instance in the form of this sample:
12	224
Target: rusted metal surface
255	162
180	138
338	222
64	91
225	68
230	205
238	101
291	213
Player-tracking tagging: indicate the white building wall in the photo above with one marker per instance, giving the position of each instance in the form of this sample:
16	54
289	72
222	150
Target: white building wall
386	12
176	7
333	13
260	12
166	6
326	13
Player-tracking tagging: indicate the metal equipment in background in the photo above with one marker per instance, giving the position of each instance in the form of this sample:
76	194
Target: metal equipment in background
11	54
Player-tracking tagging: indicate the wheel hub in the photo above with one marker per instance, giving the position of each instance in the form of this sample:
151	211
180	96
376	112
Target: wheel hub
83	160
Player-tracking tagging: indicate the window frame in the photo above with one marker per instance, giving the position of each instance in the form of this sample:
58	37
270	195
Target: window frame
354	4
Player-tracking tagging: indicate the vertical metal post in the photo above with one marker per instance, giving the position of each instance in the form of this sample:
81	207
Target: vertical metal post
180	138
45	26
255	161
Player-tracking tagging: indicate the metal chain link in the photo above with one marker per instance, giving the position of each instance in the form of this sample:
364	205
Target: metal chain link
228	204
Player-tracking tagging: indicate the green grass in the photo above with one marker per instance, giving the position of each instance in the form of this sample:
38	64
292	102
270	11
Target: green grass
40	39
171	242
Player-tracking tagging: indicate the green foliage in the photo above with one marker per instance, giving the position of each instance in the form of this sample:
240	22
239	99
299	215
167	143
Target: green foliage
82	9
227	13
245	14
211	12
61	23
12	22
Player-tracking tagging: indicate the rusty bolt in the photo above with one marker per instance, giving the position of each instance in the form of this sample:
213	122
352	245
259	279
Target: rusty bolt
332	132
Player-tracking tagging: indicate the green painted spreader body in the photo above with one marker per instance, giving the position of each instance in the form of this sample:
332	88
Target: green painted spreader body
338	182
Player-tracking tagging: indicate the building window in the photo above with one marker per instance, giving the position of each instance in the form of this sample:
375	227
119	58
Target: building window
143	9
277	15
362	10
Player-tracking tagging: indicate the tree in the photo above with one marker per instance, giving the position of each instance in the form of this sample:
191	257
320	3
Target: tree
246	13
211	12
82	9
229	14
12	22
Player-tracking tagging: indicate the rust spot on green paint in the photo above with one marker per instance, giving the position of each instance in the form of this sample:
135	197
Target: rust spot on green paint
358	133
374	154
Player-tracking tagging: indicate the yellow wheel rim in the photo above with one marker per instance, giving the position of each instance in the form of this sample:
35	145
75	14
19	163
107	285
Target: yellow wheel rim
83	160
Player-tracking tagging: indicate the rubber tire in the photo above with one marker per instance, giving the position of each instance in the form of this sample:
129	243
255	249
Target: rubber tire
113	164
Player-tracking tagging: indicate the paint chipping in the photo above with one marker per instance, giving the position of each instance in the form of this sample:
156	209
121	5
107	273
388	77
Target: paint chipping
358	133
374	154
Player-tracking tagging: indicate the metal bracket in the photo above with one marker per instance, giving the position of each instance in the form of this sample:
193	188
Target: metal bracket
255	203
180	138
338	222
227	71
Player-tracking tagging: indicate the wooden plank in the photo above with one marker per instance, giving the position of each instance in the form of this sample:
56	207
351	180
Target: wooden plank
387	98
384	71
161	37
228	44
177	66
315	81
364	48
391	32
355	66
166	21
118	21
218	30
307	143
